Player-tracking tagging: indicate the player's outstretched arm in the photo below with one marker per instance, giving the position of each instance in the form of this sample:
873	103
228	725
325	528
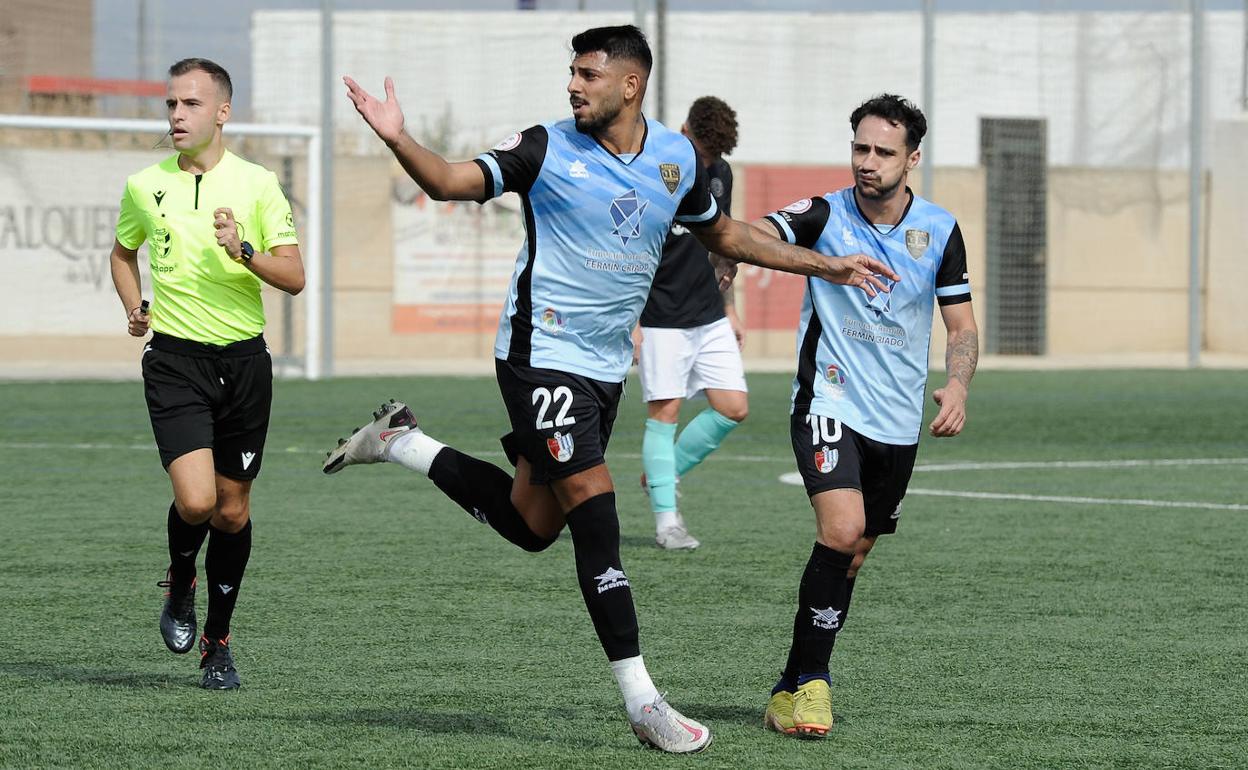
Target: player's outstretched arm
961	358
440	179
749	243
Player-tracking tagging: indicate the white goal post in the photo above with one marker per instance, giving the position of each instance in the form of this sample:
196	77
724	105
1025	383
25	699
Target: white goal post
312	362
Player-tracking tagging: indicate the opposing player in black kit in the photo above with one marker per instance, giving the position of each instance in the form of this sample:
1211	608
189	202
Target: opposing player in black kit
689	340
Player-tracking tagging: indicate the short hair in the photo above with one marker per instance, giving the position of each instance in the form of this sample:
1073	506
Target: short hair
623	42
714	124
896	110
214	70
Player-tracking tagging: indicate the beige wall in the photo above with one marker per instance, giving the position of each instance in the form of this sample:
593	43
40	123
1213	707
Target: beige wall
1117	274
42	37
1226	320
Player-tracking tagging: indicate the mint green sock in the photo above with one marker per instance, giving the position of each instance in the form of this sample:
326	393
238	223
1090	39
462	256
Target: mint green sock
701	437
658	459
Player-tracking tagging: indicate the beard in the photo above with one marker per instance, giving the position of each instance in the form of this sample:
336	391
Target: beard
877	192
598	120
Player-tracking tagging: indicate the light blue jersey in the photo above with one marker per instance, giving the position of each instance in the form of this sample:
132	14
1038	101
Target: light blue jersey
595	224
863	360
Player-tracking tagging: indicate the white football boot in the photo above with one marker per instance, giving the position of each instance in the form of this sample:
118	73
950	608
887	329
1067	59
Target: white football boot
666	729
371	443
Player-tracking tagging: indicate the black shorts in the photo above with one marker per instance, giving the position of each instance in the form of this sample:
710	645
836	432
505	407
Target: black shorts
204	396
832	455
560	422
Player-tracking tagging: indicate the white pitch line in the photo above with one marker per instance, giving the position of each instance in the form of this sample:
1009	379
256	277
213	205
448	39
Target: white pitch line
727	457
994	466
1079	500
795	478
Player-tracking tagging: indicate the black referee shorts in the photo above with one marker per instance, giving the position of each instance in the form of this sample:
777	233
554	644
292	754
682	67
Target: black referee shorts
208	396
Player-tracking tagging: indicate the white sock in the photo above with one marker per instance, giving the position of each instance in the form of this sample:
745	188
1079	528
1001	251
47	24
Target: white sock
635	685
665	519
414	450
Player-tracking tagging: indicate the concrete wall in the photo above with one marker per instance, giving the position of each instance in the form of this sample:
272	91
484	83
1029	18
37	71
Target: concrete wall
42	37
1117	277
1226	279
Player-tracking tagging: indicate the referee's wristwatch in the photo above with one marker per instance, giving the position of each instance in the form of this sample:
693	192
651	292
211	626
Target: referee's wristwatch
246	251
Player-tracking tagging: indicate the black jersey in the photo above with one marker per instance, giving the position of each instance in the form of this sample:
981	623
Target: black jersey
685	293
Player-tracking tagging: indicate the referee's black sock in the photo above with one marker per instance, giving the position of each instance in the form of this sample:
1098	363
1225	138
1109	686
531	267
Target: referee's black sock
822	599
484	491
224	565
184	543
595	531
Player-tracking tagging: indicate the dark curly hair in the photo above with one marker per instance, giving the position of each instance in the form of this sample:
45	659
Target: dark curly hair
896	110
623	42
714	124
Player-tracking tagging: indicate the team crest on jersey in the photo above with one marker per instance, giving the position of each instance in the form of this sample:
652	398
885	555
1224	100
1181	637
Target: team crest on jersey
826	459
552	320
561	446
670	173
577	170
799	207
510	143
626	212
917	241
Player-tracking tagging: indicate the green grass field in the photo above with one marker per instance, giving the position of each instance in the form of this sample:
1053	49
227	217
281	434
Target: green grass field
381	626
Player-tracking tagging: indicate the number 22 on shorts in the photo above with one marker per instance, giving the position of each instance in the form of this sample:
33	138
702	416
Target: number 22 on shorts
562	397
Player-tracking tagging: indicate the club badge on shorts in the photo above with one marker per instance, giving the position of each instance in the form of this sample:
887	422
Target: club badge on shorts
826	459
561	446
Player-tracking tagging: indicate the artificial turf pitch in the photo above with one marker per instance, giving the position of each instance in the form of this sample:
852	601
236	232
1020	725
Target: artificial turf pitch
1044	623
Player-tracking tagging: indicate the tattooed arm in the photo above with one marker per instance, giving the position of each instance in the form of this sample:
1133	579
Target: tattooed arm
961	357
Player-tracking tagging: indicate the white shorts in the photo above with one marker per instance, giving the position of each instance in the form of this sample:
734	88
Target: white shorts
681	363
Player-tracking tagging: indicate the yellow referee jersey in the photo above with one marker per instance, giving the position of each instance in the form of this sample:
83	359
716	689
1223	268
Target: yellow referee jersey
199	293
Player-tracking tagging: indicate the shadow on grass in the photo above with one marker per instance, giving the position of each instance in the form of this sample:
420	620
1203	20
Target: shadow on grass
745	715
96	677
410	719
637	541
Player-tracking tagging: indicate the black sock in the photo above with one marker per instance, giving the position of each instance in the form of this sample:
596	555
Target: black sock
821	598
484	491
849	596
792	667
224	565
595	531
184	543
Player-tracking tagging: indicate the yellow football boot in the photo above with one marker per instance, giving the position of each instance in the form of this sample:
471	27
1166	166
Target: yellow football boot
812	709
779	713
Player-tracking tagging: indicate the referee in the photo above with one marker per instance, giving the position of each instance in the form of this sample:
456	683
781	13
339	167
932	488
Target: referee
215	226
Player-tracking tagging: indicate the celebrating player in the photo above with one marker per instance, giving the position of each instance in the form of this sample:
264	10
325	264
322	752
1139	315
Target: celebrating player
216	226
861	373
600	192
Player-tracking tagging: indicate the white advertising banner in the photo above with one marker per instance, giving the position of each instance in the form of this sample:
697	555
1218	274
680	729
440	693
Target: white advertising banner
58	211
452	260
